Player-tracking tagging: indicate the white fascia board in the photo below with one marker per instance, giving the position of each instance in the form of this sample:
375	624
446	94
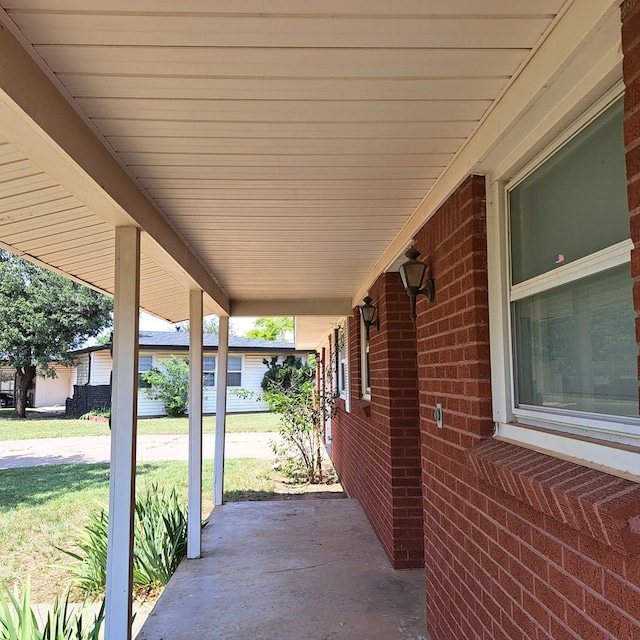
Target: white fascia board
38	120
292	307
582	21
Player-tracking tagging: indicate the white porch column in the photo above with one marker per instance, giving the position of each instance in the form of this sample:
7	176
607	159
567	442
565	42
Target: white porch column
194	521
221	409
124	409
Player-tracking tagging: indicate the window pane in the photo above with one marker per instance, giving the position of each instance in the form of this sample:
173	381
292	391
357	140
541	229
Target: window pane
235	363
234	379
574	204
576	348
145	363
82	371
208	371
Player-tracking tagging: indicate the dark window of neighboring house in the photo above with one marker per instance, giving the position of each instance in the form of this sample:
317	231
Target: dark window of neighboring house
234	371
145	363
209	371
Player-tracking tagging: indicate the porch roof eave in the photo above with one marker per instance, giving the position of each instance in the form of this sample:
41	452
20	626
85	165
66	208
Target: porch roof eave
38	120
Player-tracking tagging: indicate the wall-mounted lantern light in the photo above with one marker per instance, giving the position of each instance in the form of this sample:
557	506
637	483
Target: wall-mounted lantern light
412	274
368	315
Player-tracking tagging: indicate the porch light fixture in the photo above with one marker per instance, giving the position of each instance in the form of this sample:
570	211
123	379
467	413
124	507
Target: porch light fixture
412	274
368	315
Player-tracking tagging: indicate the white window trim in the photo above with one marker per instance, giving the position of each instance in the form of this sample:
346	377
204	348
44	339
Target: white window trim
241	372
154	360
600	441
364	349
215	370
344	360
614	256
205	371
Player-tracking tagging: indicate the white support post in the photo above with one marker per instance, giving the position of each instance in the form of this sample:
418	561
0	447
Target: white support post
124	409
194	521
221	410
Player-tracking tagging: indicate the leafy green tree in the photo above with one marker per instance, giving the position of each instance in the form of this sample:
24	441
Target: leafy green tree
44	317
170	384
272	329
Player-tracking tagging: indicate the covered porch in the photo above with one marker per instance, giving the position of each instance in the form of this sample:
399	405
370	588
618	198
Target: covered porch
310	569
194	157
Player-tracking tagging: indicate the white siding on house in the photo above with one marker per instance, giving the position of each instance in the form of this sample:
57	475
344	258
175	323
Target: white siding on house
100	368
73	378
253	371
147	406
50	392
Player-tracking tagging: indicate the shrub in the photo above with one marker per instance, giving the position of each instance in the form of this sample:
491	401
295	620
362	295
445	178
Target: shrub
160	543
64	622
289	392
102	412
170	385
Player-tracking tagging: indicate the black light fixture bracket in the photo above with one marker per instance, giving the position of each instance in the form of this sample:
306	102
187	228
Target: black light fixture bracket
369	315
412	273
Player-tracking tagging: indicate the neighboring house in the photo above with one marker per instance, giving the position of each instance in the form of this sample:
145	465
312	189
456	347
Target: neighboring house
90	379
46	392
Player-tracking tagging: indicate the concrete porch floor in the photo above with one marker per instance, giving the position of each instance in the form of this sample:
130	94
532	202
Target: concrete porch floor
294	570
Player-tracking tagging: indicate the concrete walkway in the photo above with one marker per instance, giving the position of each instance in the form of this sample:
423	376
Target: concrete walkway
290	571
32	453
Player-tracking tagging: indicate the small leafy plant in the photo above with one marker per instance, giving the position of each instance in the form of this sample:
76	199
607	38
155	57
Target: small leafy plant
65	621
160	543
101	412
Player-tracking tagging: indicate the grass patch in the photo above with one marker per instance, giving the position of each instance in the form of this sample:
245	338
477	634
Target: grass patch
35	427
45	506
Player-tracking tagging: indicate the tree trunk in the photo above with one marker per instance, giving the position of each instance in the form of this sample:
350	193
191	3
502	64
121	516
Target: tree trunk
24	381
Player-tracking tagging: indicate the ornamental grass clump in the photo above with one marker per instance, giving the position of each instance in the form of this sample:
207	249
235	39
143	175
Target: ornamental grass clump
65	621
160	543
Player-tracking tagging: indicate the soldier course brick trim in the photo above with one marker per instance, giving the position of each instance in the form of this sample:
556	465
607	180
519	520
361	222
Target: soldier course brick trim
602	506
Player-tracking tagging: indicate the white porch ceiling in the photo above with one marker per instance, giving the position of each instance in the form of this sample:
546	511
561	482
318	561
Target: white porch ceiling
287	147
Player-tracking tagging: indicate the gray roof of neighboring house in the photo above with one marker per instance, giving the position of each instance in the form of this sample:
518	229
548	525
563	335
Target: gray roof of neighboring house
179	341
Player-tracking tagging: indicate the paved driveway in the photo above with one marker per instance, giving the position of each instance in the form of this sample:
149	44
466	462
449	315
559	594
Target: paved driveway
32	453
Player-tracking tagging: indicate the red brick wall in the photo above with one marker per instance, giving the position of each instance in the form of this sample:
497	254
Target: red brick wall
376	447
511	535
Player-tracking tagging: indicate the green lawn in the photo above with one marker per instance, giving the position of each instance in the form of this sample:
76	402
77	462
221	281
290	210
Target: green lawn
37	427
45	506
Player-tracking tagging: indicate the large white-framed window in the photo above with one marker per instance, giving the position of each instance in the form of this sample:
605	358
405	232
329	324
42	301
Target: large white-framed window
365	363
564	352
